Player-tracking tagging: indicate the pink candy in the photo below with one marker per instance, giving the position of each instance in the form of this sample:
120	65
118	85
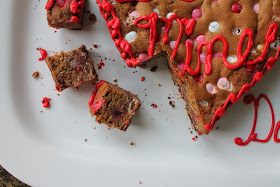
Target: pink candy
134	14
202	57
190	41
197	13
200	38
218	55
211	88
256	8
181	66
143	57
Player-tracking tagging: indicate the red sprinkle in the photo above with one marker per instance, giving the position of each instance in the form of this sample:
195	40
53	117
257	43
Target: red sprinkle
193	138
46	103
142	79
44	54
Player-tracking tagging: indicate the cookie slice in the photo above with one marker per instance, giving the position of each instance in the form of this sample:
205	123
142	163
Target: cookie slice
113	105
65	13
216	50
71	68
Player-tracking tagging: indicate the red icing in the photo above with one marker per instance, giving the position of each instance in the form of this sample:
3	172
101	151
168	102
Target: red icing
76	8
44	54
61	3
124	47
142	79
46	103
253	135
276	139
96	105
49	4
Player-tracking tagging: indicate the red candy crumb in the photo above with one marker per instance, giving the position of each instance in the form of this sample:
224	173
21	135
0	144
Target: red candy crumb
142	79
154	105
199	133
101	64
46	103
140	182
236	8
44	54
193	138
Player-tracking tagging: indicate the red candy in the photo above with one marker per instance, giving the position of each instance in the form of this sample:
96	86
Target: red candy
236	8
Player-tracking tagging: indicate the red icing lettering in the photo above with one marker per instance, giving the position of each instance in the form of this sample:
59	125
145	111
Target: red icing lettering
114	26
253	135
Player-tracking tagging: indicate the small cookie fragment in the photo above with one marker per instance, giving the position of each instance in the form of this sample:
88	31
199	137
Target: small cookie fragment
65	13
113	105
71	68
35	75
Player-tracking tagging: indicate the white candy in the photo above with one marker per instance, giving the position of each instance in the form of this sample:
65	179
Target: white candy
156	11
169	15
214	26
130	37
224	84
275	45
253	51
236	31
203	103
232	59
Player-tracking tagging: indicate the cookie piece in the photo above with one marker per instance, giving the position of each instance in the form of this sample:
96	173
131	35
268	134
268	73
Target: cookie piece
71	68
65	13
216	50
113	105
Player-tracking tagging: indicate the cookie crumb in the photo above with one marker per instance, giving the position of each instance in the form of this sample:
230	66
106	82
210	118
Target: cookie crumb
171	104
154	105
85	140
116	80
35	75
132	143
92	18
153	69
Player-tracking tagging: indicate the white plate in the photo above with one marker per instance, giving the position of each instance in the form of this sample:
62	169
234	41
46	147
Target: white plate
49	148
